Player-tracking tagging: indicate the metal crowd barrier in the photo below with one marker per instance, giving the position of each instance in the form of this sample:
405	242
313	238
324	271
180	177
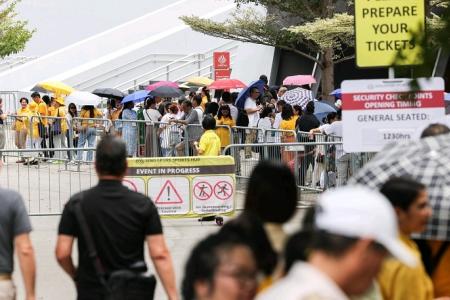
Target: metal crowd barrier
317	165
47	185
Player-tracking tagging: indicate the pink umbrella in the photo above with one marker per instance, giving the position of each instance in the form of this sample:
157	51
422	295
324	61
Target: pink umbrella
299	80
153	86
226	84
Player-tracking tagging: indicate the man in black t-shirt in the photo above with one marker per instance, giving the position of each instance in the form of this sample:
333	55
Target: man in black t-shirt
120	221
305	123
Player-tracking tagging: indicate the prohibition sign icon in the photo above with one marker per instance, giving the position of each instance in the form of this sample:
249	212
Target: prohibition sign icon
203	190
223	190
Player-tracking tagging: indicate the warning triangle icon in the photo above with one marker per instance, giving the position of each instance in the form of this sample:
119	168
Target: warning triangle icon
168	195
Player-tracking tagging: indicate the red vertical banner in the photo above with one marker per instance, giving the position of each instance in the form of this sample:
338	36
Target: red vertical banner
222	74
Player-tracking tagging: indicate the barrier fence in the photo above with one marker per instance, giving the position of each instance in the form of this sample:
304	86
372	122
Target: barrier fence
46	187
318	161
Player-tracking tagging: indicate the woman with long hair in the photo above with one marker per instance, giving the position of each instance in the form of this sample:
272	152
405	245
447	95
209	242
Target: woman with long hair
88	130
398	281
287	124
224	118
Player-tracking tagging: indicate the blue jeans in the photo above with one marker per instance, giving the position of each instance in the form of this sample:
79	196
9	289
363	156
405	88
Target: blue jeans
89	136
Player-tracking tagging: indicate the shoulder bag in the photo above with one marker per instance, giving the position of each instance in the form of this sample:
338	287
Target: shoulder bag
130	283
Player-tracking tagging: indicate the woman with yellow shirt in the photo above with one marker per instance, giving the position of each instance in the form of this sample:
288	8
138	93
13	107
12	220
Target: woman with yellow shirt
20	127
398	281
287	123
88	131
224	118
58	127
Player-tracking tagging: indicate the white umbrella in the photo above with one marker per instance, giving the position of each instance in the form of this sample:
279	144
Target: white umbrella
80	98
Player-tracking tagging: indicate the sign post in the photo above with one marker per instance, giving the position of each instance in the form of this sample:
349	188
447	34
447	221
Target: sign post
378	112
221	65
387	32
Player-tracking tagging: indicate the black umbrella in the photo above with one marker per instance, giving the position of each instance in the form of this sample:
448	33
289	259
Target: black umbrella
39	89
109	93
166	91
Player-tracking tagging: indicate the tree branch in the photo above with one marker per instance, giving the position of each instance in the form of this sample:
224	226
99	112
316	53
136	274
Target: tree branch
344	59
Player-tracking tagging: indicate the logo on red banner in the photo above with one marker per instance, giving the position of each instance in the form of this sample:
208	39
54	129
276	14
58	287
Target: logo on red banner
221	60
222	74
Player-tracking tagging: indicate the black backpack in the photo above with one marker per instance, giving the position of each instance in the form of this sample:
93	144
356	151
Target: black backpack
242	118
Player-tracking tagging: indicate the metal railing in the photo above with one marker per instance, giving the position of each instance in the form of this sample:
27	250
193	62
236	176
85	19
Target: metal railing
166	70
45	185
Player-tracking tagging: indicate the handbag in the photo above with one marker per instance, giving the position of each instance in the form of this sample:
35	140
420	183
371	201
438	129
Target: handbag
131	283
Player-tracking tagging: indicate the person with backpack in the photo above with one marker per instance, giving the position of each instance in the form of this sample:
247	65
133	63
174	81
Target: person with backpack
115	223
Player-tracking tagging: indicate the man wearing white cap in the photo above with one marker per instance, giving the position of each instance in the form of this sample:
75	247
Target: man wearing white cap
355	229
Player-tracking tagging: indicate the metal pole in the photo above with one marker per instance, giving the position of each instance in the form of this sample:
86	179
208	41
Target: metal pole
391	73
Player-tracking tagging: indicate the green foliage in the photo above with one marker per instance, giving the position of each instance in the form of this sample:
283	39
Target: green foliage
13	33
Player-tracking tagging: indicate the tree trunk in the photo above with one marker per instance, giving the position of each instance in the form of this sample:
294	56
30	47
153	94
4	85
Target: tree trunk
328	75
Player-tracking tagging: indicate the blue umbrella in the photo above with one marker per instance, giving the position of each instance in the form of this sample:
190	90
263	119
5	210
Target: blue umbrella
137	96
245	93
337	93
322	109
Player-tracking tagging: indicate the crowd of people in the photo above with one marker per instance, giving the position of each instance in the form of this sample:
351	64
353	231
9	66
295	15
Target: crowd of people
355	243
160	126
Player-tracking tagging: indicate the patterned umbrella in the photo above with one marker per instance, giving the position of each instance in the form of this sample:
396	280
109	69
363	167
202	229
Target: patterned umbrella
426	160
298	96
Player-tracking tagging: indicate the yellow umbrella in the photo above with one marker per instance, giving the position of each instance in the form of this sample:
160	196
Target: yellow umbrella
56	87
200	81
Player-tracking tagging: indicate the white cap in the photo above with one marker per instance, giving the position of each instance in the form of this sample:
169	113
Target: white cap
356	211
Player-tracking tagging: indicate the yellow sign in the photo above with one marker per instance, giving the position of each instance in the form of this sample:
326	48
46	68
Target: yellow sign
185	186
385	28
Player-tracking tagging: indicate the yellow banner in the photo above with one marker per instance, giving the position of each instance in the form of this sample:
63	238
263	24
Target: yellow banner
383	29
185	186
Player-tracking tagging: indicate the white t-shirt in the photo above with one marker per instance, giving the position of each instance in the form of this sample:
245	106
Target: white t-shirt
276	123
233	112
199	111
151	115
304	281
252	117
335	129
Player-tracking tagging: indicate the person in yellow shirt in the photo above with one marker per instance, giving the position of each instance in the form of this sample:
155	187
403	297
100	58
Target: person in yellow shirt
209	142
41	113
224	118
288	121
20	127
88	131
205	97
58	127
398	281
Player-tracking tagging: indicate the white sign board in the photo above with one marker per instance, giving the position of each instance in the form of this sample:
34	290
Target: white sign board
212	194
170	194
378	112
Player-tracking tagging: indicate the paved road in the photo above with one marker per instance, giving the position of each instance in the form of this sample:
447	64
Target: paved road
46	189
